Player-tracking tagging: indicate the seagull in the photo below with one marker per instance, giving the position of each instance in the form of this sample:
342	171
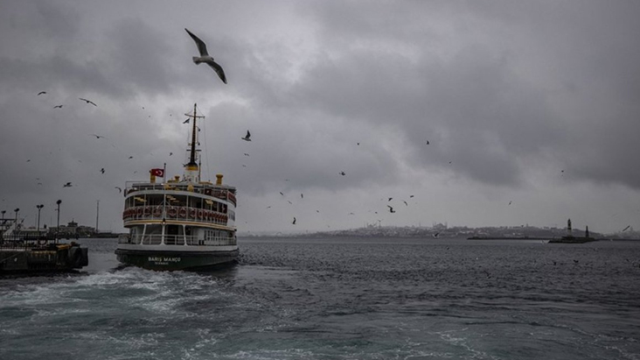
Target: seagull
88	101
509	202
294	220
247	137
391	209
628	226
302	196
245	154
436	234
206	58
170	153
67	184
42	93
405	203
130	157
97	136
58	107
411	196
186	121
281	193
119	189
342	173
102	170
427	142
390	199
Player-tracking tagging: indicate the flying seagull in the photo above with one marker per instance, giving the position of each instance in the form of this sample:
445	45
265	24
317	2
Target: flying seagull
58	107
294	220
119	188
206	58
102	170
97	136
391	209
67	184
342	173
247	137
88	101
186	121
42	93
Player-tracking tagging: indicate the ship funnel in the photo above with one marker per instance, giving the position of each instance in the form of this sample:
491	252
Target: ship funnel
218	179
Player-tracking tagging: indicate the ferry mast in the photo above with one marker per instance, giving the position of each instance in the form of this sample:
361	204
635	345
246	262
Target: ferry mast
191	169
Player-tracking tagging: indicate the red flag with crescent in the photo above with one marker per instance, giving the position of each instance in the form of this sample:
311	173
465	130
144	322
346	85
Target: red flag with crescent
157	172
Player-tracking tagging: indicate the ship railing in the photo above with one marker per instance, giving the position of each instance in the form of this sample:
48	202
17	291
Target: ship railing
183	213
191	240
220	193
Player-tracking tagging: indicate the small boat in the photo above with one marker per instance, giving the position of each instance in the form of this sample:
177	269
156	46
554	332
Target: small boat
182	223
27	252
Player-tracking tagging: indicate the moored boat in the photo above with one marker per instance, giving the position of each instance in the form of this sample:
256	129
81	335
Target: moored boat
181	223
23	252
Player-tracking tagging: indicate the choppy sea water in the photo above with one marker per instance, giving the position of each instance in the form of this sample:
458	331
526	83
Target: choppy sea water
339	298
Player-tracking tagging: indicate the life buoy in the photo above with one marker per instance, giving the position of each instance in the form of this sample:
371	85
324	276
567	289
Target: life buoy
147	211
182	213
172	212
157	211
207	192
192	213
200	214
139	211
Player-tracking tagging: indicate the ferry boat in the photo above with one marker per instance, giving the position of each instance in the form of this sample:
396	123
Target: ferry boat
182	223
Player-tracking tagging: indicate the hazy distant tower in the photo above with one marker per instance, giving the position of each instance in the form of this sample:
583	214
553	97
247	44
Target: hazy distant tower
569	226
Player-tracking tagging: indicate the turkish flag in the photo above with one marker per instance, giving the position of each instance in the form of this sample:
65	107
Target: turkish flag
157	172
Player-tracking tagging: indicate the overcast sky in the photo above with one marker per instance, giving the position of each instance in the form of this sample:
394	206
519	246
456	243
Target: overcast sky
531	110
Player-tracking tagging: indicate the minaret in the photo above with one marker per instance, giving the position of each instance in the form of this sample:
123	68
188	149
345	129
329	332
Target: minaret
569	226
191	172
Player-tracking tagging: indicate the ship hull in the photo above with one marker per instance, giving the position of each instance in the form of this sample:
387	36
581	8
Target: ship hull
176	260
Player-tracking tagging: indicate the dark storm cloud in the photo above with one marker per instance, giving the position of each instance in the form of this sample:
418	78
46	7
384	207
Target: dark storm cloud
491	118
507	94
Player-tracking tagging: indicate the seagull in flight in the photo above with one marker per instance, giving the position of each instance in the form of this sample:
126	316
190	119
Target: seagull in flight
102	170
391	209
186	121
67	184
294	220
247	137
58	107
206	58
342	173
119	189
98	136
42	93
88	101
